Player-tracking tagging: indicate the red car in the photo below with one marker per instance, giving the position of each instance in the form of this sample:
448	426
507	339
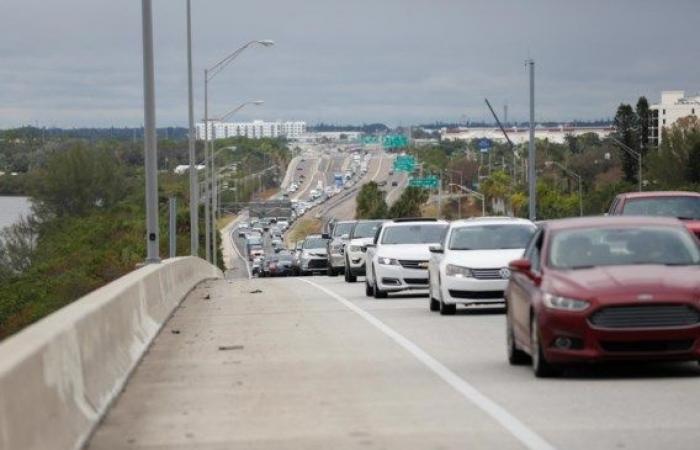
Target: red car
679	204
603	289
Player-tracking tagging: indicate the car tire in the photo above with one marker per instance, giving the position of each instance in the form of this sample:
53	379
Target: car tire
369	290
516	357
434	303
540	365
445	308
378	293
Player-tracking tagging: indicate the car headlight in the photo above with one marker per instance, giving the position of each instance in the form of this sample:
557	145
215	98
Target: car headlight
564	303
355	248
388	261
452	270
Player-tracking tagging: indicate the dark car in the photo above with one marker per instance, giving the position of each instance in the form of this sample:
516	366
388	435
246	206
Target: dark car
603	289
281	265
679	204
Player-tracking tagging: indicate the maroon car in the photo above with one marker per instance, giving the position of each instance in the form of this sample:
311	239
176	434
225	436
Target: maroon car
603	289
679	204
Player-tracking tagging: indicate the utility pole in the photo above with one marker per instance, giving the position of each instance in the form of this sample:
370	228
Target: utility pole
194	198
207	170
150	142
532	180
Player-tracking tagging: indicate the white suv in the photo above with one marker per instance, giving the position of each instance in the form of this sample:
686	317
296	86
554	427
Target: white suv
362	233
398	258
471	265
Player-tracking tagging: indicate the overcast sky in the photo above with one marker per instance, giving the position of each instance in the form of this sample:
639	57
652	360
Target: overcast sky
78	62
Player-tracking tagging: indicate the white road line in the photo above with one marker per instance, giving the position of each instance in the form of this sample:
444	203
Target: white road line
519	430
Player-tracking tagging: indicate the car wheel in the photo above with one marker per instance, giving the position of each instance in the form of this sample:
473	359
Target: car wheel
434	303
378	293
540	366
332	272
445	308
516	357
369	290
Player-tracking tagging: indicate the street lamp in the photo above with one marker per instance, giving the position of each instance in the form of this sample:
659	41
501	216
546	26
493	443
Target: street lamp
209	74
478	195
575	175
635	154
461	183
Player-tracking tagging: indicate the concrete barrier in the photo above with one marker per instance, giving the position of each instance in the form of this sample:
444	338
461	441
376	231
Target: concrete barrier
59	375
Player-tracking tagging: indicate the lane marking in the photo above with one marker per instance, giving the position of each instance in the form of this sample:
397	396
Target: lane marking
519	430
238	252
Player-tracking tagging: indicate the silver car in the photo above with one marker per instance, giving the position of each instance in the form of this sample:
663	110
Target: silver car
336	246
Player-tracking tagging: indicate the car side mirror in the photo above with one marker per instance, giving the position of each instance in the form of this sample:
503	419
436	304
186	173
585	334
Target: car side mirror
521	265
325	236
436	249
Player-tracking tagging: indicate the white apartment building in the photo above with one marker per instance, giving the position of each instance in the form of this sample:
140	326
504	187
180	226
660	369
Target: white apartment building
521	135
674	105
253	130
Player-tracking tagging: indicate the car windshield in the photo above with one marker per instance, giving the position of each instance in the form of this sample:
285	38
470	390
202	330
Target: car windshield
683	207
414	234
491	237
365	229
315	243
585	248
342	228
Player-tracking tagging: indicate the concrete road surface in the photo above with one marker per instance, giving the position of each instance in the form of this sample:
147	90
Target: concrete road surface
311	363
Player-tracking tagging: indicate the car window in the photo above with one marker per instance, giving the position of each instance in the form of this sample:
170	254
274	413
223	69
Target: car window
315	243
490	237
365	229
684	207
607	246
414	234
342	228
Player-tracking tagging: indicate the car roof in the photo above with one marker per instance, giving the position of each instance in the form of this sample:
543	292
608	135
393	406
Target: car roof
603	221
659	194
498	220
406	223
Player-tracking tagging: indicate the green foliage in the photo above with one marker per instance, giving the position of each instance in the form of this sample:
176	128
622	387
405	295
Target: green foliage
370	202
676	164
553	204
77	181
626	123
409	204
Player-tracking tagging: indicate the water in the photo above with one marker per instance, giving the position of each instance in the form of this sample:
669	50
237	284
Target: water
12	208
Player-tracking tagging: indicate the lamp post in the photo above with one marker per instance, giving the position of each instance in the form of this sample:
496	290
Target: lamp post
575	175
209	74
194	201
150	141
478	195
461	183
635	154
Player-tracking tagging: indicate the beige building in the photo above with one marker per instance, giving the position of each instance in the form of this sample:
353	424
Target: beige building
674	105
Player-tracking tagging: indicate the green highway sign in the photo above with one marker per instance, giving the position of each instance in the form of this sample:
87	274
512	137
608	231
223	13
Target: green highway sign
427	182
405	163
370	139
392	141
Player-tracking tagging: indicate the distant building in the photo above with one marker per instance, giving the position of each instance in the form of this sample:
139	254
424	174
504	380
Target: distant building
254	130
332	136
522	135
674	105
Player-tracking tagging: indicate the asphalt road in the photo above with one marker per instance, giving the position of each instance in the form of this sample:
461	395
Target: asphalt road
297	363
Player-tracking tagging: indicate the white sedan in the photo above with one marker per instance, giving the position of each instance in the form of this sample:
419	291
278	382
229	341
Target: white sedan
471	265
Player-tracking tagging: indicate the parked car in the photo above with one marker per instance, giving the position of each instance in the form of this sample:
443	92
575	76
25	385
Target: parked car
336	246
397	260
679	204
314	258
362	233
604	289
470	266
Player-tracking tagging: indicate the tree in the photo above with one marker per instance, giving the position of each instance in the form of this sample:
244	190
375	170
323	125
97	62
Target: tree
409	204
643	116
693	167
626	128
78	180
370	202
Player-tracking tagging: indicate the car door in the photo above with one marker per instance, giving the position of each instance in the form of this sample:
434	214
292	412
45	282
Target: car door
522	289
434	266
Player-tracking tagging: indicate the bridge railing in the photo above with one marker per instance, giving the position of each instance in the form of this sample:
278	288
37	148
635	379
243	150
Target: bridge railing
59	375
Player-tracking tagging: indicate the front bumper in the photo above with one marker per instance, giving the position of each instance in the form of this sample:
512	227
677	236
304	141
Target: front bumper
594	344
314	264
356	262
471	291
397	278
336	260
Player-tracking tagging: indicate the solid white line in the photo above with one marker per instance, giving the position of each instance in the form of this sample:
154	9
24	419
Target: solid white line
519	430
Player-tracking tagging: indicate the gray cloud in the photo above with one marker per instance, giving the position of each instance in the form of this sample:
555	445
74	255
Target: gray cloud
78	62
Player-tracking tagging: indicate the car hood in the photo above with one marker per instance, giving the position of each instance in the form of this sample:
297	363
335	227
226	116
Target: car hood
483	259
316	252
361	241
615	282
419	252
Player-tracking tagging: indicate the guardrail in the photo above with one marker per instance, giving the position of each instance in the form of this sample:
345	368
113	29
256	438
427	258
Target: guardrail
59	375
